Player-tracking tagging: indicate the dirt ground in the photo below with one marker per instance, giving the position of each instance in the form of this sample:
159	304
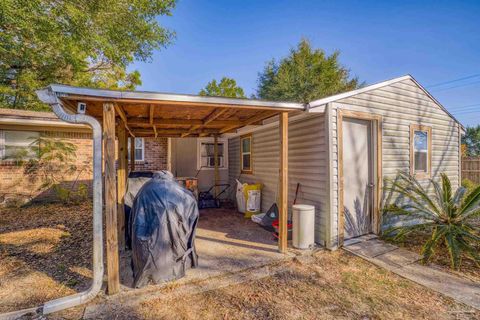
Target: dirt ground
336	285
45	253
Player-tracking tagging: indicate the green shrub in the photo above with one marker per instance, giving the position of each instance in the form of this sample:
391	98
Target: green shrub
448	216
469	184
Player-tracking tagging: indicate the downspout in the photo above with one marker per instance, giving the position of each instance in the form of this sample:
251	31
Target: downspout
49	97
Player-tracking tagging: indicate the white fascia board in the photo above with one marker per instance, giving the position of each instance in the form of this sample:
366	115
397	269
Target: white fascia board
324	101
319	105
62	90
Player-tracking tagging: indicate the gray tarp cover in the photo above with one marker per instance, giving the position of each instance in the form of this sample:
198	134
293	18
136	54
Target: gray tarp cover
163	220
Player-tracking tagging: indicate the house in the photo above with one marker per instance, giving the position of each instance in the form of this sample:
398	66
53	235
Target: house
342	148
20	129
339	150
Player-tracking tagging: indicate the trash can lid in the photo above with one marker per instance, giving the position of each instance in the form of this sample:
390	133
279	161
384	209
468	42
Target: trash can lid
303	207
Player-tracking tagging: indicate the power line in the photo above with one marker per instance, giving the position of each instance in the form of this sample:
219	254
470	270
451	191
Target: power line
466	112
457	86
454	80
466	106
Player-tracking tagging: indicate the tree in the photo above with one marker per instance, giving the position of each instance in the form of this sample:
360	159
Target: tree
227	87
85	42
304	75
471	140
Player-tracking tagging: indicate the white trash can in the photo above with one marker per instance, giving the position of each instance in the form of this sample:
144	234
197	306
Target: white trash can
303	221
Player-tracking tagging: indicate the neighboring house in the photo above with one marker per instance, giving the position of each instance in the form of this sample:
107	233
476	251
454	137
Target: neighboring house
340	148
19	130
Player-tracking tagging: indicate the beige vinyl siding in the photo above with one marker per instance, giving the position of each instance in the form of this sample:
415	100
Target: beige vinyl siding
400	105
307	165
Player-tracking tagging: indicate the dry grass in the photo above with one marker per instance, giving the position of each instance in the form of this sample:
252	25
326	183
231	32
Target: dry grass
335	286
45	253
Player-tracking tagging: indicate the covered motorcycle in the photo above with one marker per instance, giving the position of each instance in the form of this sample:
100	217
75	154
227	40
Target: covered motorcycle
163	220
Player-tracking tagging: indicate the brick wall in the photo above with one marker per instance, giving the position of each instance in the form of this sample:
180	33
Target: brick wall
155	155
18	187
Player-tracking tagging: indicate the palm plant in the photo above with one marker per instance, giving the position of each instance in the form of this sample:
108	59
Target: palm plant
447	216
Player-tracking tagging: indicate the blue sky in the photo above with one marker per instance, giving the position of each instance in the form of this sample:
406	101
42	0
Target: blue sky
435	41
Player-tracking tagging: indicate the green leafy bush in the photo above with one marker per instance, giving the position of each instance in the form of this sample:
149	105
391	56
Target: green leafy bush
446	215
469	184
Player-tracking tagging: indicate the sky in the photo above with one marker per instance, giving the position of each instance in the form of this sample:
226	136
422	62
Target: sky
437	42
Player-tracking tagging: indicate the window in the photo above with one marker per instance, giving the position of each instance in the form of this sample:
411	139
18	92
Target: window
420	150
246	154
18	145
139	149
206	152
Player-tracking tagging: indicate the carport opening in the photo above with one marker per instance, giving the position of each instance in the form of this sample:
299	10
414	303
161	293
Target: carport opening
225	240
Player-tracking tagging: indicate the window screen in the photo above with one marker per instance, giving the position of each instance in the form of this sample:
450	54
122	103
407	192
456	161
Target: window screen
421	151
139	149
246	154
207	155
18	145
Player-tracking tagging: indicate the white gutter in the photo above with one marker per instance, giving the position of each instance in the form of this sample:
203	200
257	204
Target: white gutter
50	98
63	90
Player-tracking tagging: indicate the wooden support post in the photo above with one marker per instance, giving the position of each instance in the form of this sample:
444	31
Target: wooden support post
121	182
110	198
215	156
132	153
169	154
283	181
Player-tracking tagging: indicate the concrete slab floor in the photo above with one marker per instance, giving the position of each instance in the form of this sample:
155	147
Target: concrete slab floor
371	248
226	242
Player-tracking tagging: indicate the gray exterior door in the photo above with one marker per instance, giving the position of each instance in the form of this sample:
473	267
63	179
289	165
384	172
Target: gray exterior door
357	177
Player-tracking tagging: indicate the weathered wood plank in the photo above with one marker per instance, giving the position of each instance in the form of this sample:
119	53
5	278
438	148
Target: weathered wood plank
113	278
121	182
283	181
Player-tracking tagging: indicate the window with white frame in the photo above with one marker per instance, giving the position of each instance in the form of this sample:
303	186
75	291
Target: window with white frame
420	148
206	153
139	149
246	154
18	145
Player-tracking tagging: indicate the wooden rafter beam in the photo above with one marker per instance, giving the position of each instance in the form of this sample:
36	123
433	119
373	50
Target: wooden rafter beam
123	116
211	117
214	115
161	132
151	120
151	114
256	118
136	122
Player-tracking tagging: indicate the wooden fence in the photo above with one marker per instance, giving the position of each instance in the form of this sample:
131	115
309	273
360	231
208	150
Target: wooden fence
471	168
